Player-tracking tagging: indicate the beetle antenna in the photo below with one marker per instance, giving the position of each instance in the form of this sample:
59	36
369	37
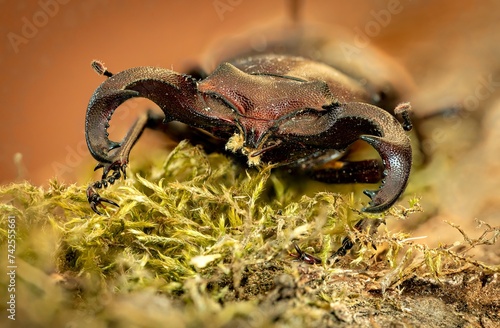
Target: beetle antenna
263	150
294	10
404	110
100	68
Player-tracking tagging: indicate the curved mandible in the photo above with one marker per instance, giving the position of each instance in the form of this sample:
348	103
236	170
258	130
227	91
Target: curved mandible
175	93
394	147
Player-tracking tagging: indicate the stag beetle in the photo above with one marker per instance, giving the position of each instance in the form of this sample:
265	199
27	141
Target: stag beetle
280	106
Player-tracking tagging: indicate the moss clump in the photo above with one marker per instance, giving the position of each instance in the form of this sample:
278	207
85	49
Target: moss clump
199	240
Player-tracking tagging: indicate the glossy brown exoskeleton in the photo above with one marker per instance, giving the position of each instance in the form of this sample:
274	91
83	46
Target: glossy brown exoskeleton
280	108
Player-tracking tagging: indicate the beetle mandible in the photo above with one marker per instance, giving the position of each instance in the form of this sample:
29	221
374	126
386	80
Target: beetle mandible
282	105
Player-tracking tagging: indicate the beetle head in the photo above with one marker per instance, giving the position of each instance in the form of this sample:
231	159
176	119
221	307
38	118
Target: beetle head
258	103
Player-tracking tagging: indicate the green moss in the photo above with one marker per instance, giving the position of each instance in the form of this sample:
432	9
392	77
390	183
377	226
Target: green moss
201	239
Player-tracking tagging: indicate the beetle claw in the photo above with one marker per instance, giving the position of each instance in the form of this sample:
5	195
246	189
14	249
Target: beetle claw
93	196
93	206
96	200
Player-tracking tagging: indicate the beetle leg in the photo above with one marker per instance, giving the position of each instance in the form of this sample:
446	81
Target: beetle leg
368	171
119	158
95	200
348	243
303	256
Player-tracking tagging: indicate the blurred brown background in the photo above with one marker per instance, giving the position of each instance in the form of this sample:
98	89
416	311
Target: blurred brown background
47	46
451	49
